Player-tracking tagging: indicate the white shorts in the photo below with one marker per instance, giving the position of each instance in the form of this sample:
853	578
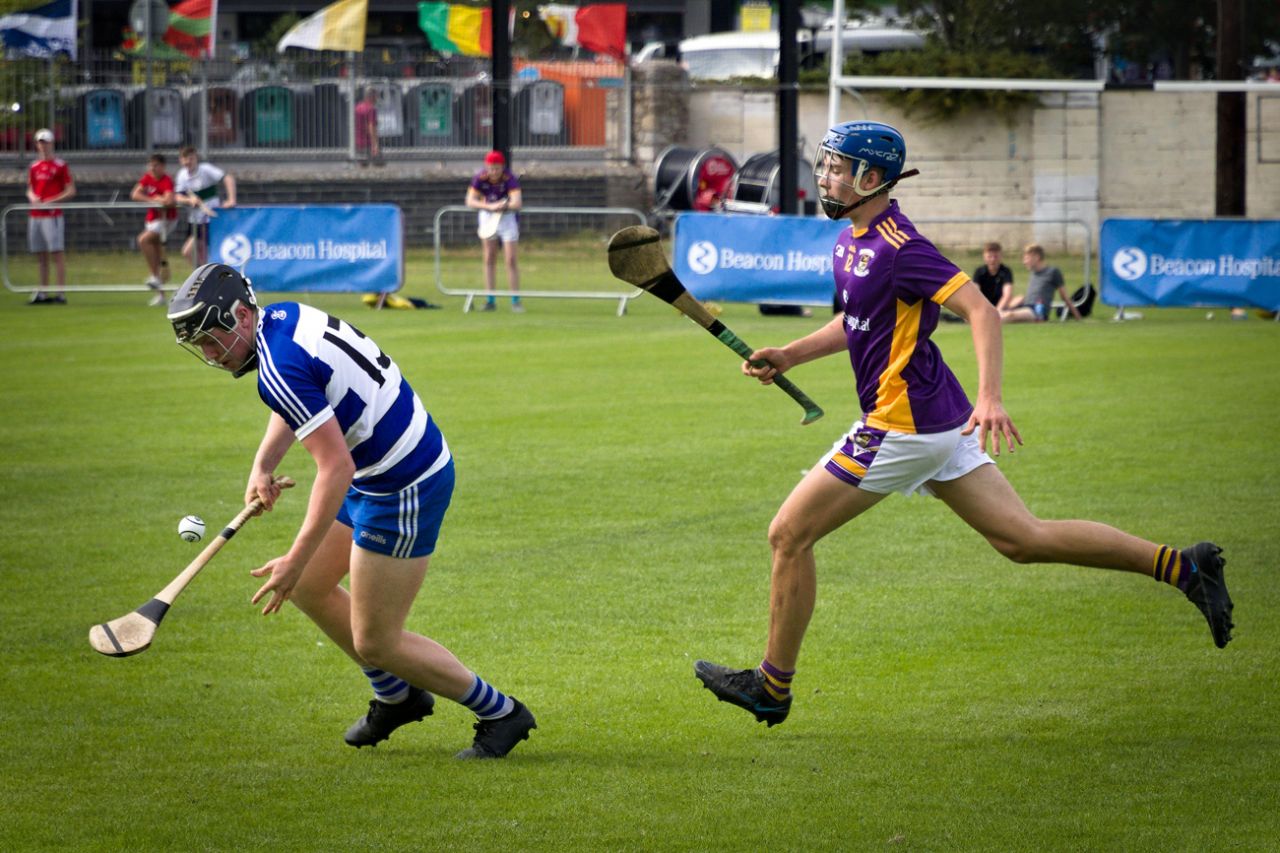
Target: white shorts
508	225
46	234
885	462
163	227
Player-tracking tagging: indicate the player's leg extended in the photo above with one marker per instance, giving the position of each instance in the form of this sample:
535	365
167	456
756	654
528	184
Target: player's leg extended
987	503
820	504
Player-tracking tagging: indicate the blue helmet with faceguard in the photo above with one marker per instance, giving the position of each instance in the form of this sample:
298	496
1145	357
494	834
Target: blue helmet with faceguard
869	144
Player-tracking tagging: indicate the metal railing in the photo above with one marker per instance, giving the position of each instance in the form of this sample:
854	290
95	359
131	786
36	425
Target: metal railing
105	233
116	105
449	226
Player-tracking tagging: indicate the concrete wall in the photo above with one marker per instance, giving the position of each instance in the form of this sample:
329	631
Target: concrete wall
1072	158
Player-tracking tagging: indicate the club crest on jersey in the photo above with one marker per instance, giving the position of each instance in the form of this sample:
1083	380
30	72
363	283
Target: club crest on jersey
861	268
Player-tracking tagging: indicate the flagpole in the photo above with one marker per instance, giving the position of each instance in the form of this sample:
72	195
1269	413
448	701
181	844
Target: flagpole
146	94
353	91
53	86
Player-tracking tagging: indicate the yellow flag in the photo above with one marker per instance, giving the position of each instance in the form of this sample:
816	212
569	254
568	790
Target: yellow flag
338	26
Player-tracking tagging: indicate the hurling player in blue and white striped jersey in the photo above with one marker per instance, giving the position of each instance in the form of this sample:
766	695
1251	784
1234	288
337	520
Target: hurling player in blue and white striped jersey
384	478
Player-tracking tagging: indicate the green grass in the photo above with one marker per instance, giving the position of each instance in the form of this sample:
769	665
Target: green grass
616	479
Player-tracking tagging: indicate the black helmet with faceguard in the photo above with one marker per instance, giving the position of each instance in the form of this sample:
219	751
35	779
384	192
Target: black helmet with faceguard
206	302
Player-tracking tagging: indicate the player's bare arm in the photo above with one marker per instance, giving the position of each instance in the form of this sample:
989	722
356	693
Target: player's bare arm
271	450
826	341
989	416
229	181
334	472
513	200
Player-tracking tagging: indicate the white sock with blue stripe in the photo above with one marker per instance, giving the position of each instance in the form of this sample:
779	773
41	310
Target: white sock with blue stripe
487	701
387	688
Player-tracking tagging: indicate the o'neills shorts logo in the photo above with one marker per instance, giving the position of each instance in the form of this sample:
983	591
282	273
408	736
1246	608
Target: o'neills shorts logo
373	537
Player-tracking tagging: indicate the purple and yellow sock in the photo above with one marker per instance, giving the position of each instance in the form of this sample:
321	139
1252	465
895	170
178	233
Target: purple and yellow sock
1169	567
777	682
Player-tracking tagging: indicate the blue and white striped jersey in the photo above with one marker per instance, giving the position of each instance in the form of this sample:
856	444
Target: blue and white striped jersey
313	367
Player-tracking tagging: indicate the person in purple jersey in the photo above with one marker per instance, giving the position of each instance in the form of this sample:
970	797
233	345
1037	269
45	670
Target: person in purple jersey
495	192
384	479
918	432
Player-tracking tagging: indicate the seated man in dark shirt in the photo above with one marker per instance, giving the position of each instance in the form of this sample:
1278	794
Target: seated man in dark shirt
993	278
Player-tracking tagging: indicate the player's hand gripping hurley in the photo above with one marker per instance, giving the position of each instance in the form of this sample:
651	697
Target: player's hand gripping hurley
635	256
133	632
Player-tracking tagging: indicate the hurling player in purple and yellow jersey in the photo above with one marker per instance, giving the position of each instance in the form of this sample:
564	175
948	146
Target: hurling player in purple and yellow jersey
918	432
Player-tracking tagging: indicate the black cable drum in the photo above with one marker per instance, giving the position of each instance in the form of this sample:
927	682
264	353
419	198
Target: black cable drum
759	180
683	176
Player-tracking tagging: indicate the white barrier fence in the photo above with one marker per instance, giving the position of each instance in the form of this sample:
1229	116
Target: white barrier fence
90	229
455	225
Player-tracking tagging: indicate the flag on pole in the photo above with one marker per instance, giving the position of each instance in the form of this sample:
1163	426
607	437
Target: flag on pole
456	28
191	27
597	27
42	32
338	26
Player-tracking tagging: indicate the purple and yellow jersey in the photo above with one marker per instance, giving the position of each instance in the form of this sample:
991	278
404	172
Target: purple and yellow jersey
494	190
890	281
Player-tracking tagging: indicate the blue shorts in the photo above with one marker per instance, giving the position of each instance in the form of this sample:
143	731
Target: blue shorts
402	525
1040	310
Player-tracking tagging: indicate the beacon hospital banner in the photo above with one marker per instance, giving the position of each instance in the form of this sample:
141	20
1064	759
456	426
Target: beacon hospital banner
1170	262
744	258
317	248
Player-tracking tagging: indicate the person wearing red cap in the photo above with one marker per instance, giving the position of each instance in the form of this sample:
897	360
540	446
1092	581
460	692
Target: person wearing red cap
495	193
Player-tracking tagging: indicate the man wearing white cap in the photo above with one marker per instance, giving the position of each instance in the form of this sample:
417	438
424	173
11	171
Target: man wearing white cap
49	181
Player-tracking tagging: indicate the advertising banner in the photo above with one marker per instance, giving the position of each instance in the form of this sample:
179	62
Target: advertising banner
318	248
777	259
1171	262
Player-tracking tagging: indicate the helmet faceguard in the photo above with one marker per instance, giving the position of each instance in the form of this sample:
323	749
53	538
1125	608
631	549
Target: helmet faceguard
207	302
846	153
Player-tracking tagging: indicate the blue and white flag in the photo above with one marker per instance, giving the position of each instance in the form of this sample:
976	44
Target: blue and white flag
43	32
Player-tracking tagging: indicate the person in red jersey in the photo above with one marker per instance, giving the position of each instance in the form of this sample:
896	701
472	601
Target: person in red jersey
49	181
156	187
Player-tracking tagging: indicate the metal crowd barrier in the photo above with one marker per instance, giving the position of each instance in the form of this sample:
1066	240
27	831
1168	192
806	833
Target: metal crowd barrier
102	232
465	231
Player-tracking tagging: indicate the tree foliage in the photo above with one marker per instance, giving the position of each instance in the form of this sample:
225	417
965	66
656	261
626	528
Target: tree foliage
1178	37
937	61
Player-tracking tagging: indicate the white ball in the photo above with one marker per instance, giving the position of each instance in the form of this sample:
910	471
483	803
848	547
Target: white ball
191	528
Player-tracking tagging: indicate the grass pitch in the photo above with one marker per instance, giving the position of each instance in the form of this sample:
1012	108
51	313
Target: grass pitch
616	479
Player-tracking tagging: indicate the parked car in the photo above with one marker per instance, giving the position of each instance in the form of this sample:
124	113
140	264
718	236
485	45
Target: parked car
719	56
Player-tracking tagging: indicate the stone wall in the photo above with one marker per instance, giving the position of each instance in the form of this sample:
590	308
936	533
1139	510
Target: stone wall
1074	158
